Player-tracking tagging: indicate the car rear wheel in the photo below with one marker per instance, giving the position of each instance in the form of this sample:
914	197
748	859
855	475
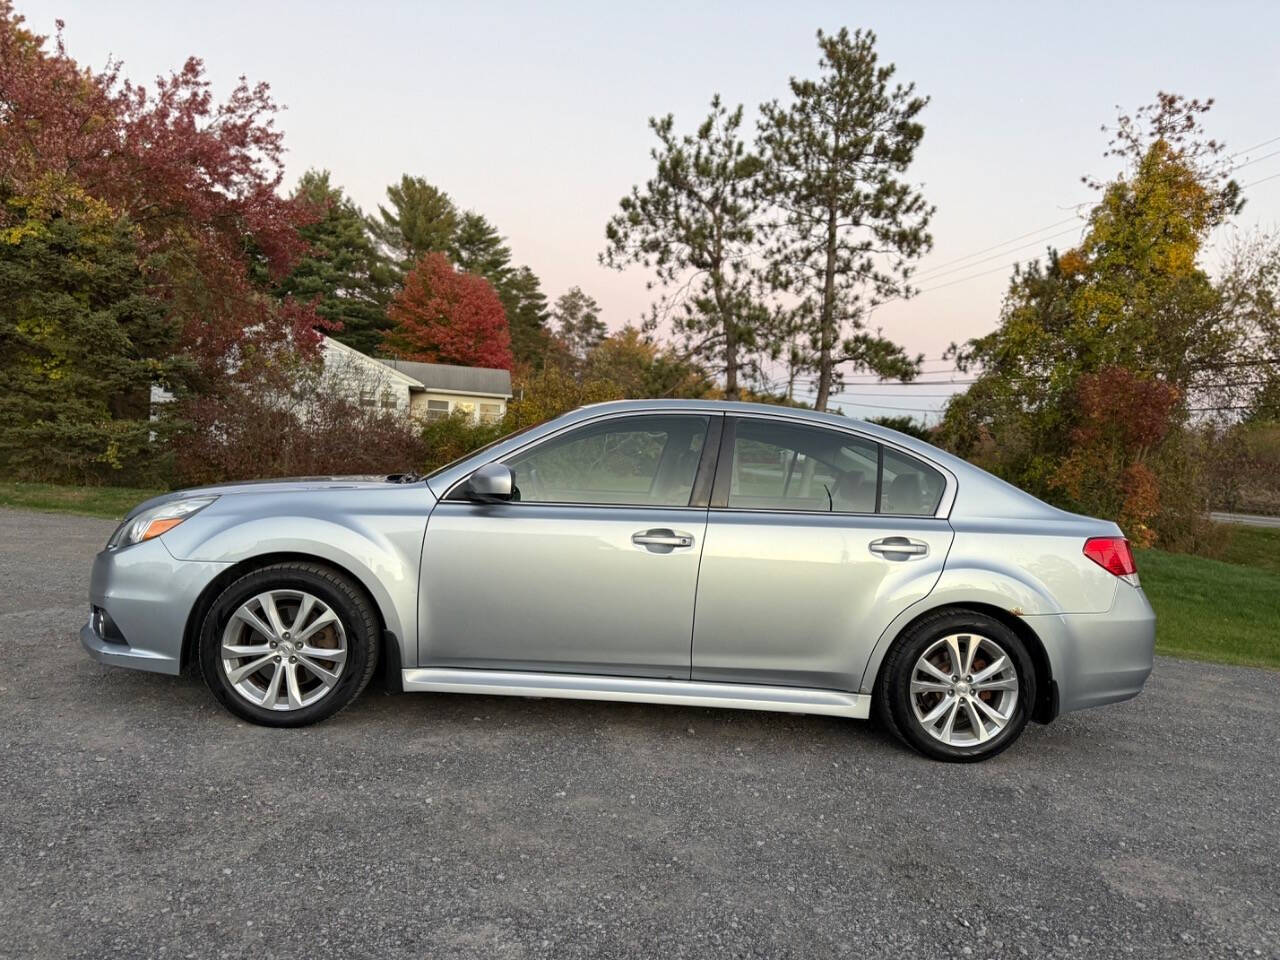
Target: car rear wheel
957	686
289	644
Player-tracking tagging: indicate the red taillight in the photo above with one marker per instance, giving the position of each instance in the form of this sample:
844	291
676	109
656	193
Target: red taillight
1112	554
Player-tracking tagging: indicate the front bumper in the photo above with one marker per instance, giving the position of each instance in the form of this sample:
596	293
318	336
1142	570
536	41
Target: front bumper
1100	658
149	595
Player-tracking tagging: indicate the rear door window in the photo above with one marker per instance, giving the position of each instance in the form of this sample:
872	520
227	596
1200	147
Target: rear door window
775	465
783	466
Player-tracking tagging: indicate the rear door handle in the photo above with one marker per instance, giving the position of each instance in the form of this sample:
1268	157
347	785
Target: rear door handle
662	538
899	548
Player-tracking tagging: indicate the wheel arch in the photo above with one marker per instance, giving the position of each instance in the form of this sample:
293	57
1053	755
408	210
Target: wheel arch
1046	706
389	651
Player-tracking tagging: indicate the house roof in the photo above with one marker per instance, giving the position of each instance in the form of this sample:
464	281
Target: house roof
447	378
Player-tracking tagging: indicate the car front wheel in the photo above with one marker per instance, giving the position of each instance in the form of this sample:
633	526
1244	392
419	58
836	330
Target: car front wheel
289	644
957	686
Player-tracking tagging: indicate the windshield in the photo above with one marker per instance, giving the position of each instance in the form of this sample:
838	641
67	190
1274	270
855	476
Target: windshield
488	446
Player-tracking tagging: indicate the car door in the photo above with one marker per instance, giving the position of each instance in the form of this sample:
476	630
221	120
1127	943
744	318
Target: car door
816	539
593	570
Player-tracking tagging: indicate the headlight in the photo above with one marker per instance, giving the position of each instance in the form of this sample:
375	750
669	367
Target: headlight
155	521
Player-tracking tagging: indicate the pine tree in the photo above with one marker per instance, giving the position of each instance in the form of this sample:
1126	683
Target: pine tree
343	271
849	226
526	307
578	323
695	225
81	343
421	220
477	247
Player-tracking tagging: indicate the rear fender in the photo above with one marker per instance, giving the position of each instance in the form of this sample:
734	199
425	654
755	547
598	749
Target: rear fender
1020	596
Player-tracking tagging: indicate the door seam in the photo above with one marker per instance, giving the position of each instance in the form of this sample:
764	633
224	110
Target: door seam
697	578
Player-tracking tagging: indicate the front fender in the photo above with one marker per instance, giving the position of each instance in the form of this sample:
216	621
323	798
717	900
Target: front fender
382	552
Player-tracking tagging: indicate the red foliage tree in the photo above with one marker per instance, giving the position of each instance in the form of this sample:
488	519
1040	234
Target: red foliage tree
445	316
1123	419
196	177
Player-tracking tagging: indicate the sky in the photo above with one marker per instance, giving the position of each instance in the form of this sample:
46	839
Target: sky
536	114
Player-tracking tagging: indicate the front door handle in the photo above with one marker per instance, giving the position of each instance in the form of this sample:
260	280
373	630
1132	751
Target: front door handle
662	538
899	548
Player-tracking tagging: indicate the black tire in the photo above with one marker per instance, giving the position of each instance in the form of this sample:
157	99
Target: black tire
348	601
893	686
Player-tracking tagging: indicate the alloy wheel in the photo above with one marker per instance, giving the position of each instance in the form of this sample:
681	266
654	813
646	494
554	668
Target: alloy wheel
283	649
964	689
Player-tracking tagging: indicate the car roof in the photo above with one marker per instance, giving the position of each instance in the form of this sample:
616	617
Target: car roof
757	409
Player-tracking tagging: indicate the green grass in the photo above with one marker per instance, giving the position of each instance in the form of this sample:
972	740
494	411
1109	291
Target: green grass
111	502
1213	610
1254	547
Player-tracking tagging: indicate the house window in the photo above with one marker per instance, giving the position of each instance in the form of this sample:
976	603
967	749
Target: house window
368	397
490	412
437	409
467	407
389	401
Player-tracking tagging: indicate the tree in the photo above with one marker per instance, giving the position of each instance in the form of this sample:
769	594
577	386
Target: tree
641	369
342	271
551	392
526	307
421	219
849	226
694	224
1122	418
445	316
81	342
578	323
1128	316
196	177
477	247
904	424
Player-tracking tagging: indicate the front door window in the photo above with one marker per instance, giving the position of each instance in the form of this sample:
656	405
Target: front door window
632	461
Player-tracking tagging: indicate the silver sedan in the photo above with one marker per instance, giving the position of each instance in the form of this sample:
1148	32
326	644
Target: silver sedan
679	552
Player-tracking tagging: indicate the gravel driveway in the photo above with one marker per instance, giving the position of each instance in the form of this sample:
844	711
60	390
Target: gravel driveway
137	819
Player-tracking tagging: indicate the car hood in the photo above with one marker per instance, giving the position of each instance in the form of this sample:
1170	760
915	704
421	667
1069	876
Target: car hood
282	485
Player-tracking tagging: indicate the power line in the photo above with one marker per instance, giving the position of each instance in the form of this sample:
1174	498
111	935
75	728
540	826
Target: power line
1005	253
1249	163
952	283
938	271
878	406
997	246
1264	143
1256	182
812	383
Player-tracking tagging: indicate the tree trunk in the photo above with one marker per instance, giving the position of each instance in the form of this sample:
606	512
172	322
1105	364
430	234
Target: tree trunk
729	324
793	368
826	335
730	362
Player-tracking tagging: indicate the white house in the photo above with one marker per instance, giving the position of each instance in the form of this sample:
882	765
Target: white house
428	391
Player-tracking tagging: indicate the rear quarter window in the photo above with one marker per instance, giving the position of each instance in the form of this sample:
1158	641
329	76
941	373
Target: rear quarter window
909	487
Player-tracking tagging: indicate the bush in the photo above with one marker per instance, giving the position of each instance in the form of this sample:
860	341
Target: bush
1244	465
456	435
251	431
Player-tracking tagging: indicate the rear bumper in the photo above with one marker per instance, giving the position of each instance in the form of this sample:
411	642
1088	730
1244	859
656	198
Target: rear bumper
1100	658
148	595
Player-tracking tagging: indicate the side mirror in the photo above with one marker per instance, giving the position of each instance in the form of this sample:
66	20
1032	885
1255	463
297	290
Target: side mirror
492	483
